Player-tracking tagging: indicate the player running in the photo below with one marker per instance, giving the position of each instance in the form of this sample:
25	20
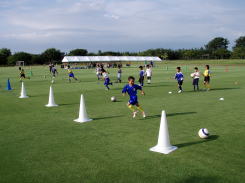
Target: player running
131	89
106	78
180	78
71	74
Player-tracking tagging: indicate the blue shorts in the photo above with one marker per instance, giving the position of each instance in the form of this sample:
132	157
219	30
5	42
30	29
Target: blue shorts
71	75
107	81
133	100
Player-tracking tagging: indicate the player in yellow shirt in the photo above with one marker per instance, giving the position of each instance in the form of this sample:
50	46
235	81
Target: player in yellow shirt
71	74
207	76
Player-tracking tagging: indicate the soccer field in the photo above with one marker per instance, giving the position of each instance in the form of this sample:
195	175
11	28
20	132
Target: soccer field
45	145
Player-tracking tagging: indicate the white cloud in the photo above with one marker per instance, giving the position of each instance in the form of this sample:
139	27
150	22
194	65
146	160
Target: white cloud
142	23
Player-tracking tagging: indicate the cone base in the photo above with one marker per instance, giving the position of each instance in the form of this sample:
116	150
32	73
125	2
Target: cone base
23	97
82	120
163	150
53	105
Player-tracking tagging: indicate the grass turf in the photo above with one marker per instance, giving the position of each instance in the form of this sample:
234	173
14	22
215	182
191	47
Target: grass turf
40	144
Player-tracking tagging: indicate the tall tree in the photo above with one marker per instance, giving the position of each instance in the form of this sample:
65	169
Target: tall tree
51	55
4	54
240	42
19	56
78	52
217	43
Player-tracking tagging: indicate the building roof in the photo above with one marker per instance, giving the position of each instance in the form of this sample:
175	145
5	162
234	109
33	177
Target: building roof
108	59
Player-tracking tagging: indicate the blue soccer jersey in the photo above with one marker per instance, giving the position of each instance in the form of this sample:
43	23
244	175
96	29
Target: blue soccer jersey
142	73
132	92
179	76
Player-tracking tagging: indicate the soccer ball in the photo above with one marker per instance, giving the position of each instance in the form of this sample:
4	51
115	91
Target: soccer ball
221	99
113	99
192	75
170	92
203	133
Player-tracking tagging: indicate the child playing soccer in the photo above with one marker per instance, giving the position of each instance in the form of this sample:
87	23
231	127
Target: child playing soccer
22	74
119	74
106	78
148	74
98	72
195	75
54	71
71	74
142	74
131	89
180	78
207	75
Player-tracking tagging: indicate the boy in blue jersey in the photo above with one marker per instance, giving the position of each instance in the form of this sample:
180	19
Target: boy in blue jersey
142	76
131	89
180	78
107	79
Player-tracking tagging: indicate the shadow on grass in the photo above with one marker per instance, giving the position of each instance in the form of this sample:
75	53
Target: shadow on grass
210	138
152	86
107	117
217	89
68	104
213	89
171	114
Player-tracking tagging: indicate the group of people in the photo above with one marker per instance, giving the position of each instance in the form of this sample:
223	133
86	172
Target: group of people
131	88
196	76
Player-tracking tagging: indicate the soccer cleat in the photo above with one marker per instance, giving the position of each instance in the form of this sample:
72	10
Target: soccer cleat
143	114
134	114
180	91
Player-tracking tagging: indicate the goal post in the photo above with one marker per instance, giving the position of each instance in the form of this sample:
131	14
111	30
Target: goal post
20	63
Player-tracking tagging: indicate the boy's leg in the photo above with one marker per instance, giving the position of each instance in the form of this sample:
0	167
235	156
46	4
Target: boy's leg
180	86
107	87
131	107
141	110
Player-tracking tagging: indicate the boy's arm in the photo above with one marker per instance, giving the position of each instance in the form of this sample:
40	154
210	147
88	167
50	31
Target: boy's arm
124	90
142	92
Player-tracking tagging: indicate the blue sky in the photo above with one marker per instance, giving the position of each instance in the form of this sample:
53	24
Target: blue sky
118	25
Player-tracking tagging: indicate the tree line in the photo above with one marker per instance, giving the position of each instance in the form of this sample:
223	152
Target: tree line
217	48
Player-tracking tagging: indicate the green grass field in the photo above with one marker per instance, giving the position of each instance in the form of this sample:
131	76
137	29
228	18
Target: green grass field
44	145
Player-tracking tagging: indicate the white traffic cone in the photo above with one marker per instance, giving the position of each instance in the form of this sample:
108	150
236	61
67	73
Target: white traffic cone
23	91
83	117
163	145
51	102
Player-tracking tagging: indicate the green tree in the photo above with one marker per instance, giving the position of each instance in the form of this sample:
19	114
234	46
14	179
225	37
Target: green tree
52	55
4	54
217	43
19	56
37	59
240	42
78	52
238	52
222	53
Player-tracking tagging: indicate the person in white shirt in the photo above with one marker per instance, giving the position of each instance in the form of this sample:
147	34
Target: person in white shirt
195	75
148	74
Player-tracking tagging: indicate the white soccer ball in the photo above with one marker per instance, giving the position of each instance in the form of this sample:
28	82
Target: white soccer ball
170	92
221	99
113	99
203	133
192	75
